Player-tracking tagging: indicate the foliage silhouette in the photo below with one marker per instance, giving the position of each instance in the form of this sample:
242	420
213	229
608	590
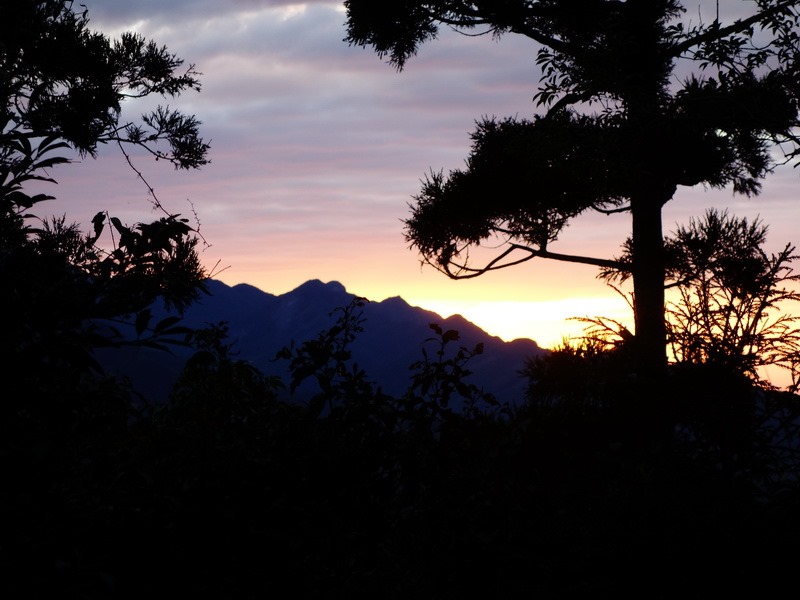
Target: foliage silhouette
439	380
64	84
63	87
69	454
620	133
213	383
437	387
740	428
327	359
732	297
227	492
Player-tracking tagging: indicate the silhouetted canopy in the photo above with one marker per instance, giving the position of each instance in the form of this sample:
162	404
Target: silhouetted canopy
636	100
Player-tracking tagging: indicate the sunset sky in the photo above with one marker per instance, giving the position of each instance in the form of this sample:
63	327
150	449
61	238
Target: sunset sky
317	148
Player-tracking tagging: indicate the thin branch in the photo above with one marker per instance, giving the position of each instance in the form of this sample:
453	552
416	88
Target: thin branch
156	202
214	272
568	100
474	20
735	27
611	211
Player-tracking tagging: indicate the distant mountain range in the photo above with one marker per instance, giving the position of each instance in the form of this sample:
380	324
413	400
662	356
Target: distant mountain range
260	324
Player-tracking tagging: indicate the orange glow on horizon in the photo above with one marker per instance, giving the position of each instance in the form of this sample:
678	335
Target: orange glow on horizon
546	322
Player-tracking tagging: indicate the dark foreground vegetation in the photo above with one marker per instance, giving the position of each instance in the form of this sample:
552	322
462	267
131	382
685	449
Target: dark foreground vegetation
591	486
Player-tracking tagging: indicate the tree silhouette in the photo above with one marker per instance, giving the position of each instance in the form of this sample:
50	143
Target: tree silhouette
61	81
62	87
639	101
64	426
728	296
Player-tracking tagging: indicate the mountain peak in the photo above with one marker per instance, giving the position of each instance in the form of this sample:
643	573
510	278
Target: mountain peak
314	286
394	301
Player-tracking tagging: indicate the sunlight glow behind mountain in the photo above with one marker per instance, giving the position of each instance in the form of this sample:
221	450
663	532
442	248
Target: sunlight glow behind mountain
547	323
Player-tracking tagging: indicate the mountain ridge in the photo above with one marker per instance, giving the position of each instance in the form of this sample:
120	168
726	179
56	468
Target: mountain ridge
394	334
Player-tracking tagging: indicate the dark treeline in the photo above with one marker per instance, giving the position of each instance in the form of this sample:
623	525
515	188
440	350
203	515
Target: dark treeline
227	492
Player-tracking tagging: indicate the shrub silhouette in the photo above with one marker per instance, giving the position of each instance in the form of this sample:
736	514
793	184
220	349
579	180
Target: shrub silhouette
233	493
733	298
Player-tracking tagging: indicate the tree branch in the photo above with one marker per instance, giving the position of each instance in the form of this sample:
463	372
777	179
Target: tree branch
735	27
462	271
475	19
611	211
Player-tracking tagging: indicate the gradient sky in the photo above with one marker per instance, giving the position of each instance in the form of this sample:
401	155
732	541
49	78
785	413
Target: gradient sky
318	147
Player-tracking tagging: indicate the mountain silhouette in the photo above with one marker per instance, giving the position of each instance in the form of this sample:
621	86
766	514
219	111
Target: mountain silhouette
260	324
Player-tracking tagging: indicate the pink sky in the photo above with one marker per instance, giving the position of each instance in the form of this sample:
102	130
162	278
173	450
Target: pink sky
317	148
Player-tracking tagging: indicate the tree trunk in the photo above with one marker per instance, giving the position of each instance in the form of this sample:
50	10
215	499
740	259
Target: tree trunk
648	284
652	387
